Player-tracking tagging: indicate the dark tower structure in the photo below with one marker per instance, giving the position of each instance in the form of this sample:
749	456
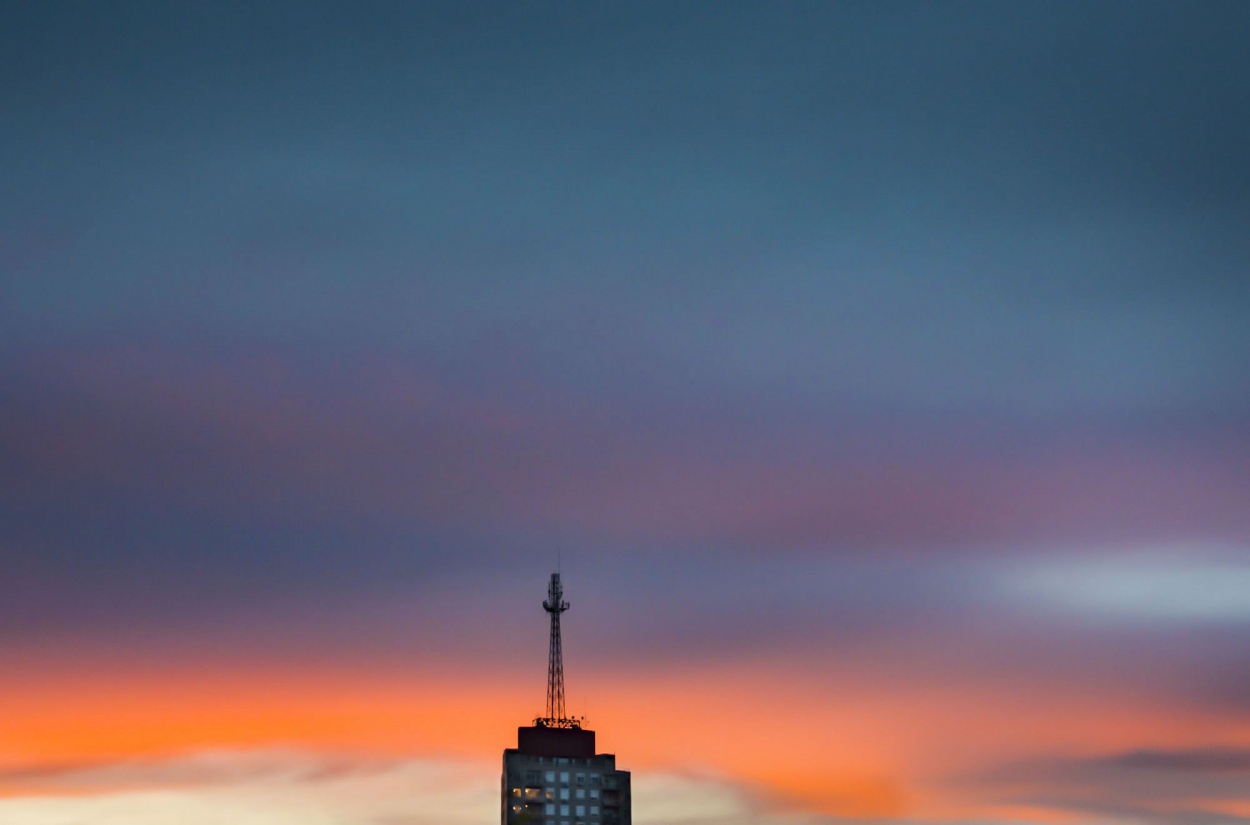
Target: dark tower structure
555	605
553	776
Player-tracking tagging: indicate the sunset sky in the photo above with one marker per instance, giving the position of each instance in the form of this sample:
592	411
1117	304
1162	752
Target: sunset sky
879	371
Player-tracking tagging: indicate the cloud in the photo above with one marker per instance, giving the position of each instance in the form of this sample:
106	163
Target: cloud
285	787
252	788
1198	584
194	770
1192	786
1209	760
278	437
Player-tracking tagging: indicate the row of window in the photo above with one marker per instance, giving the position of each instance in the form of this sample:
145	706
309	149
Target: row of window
569	760
578	810
561	822
550	793
531	777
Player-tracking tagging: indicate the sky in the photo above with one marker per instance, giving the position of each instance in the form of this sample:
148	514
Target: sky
875	373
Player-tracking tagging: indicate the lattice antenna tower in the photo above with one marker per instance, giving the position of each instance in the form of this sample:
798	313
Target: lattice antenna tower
556	716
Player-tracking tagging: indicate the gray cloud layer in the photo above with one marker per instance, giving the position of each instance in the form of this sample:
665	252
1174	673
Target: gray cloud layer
1176	787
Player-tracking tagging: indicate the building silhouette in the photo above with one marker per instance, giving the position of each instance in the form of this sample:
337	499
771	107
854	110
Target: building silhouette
553	776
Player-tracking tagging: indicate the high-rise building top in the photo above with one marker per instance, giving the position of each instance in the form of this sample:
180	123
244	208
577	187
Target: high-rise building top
553	776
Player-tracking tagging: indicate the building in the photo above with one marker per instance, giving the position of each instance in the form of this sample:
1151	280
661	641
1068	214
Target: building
553	776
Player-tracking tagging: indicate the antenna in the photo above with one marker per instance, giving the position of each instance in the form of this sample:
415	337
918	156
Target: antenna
556	716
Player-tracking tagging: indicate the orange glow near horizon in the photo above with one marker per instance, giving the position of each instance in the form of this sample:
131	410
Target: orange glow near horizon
859	752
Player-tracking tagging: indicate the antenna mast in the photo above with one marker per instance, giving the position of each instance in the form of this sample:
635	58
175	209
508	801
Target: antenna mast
556	717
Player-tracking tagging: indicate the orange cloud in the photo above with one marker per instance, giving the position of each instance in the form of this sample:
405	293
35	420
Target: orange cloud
862	748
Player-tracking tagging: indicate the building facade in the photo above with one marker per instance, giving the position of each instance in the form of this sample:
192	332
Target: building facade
554	777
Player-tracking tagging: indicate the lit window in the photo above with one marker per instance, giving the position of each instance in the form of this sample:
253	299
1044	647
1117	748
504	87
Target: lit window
516	791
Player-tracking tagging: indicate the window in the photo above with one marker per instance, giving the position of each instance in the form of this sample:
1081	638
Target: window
516	791
594	793
564	793
581	779
581	794
564	777
551	809
550	793
551	776
594	810
595	779
564	810
581	810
